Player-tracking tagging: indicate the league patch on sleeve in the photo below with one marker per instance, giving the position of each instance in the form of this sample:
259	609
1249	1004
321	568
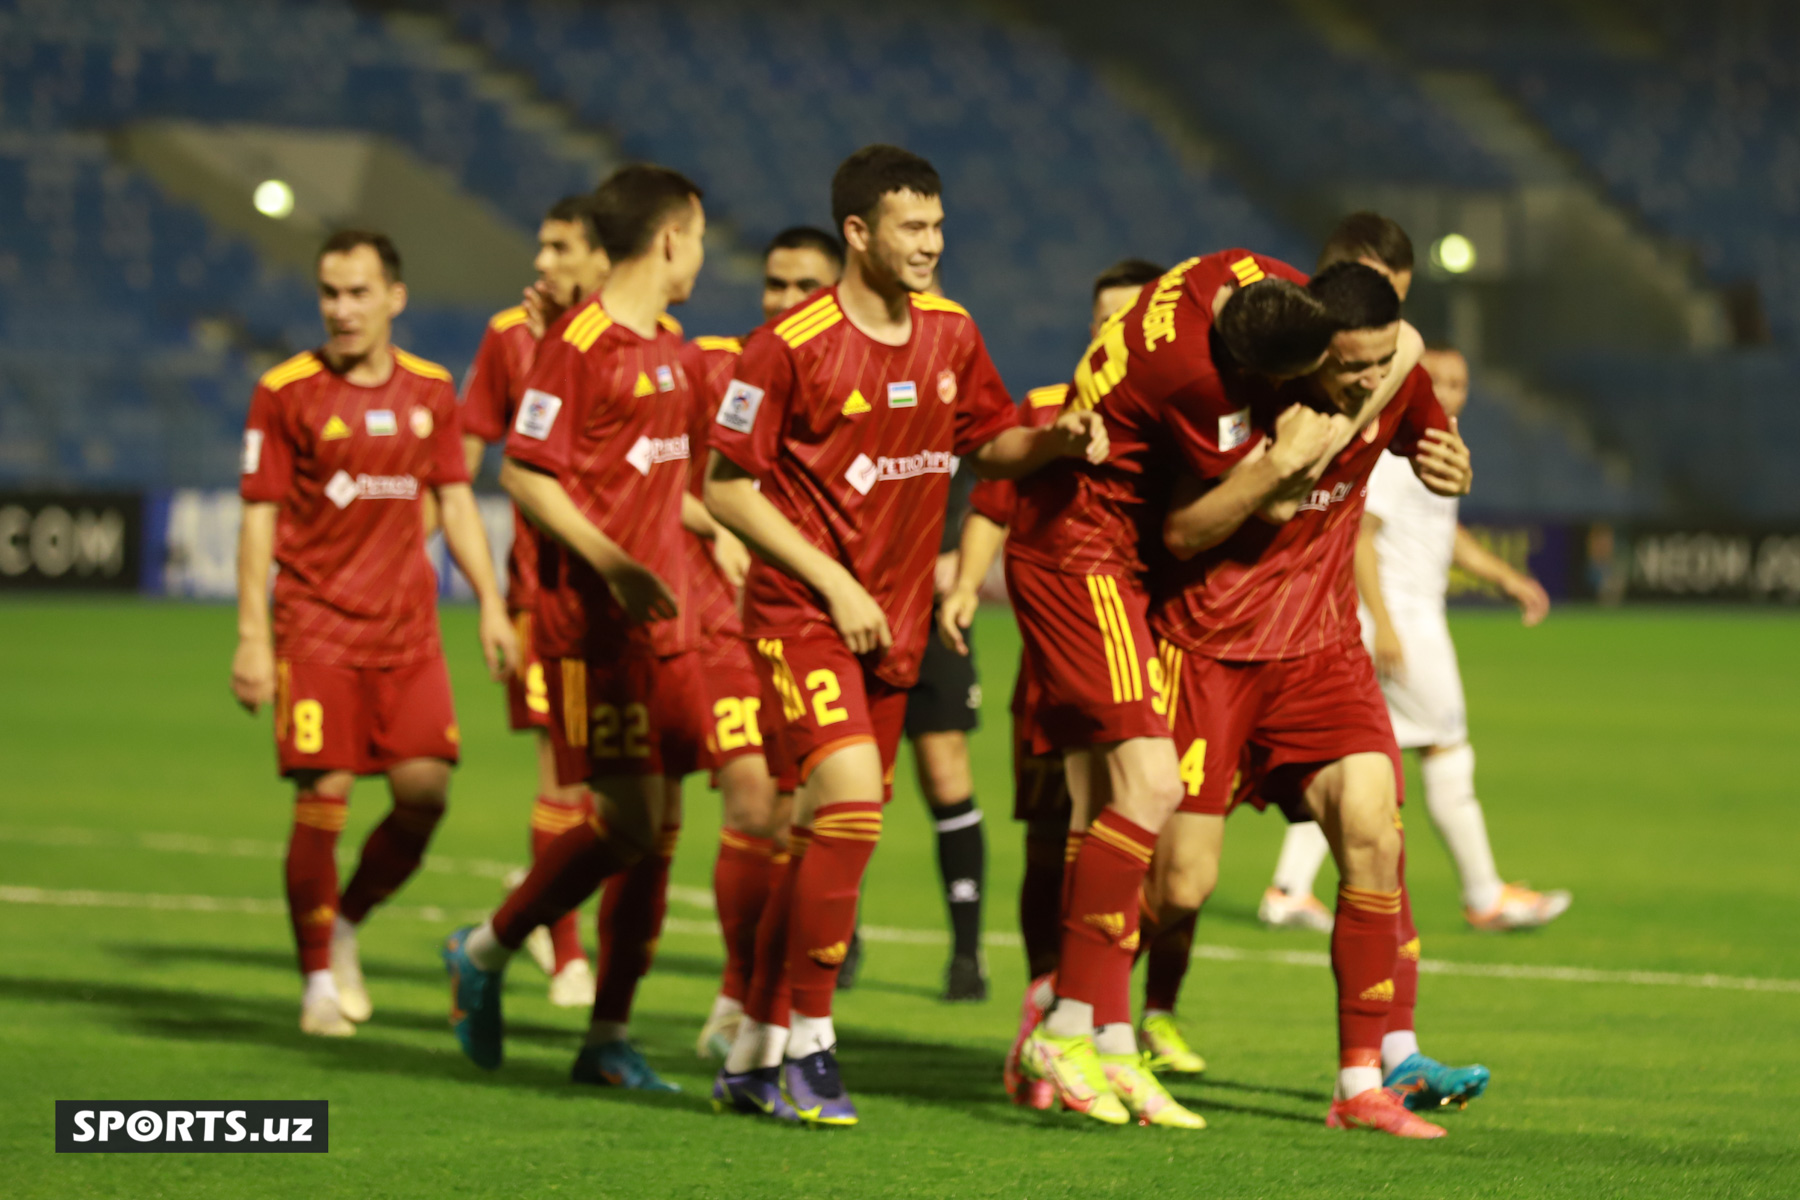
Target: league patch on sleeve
253	443
1234	429
537	414
737	411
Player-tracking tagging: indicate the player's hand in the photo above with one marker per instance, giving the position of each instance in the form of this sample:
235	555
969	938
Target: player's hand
499	642
1442	463
731	556
641	592
956	612
1081	435
1390	659
253	673
1529	594
859	620
1302	435
541	309
944	572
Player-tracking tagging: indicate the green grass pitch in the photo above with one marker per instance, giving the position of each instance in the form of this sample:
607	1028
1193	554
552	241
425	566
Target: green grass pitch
1647	760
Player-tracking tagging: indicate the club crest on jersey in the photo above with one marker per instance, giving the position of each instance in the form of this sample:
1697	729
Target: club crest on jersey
420	420
1234	429
665	379
537	414
334	429
737	411
253	442
904	394
380	422
647	451
946	386
856	406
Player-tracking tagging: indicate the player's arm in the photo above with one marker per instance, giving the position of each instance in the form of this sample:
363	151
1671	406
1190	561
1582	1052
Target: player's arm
639	591
253	666
980	545
467	539
1017	452
732	497
1203	513
1390	658
732	557
1479	561
473	450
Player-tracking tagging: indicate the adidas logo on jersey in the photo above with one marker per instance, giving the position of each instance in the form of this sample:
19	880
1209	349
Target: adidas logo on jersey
829	956
334	429
1381	993
644	386
856	405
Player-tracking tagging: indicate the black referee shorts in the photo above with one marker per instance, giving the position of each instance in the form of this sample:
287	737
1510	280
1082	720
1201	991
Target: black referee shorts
948	695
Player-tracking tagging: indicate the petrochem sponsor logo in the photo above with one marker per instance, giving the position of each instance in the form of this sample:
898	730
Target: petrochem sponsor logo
345	488
193	1127
910	466
646	452
1323	498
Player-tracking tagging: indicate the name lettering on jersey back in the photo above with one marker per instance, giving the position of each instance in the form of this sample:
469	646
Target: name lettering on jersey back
866	472
1159	314
647	452
1323	498
344	488
737	411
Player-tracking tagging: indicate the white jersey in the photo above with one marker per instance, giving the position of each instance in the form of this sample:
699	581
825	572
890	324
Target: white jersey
1416	539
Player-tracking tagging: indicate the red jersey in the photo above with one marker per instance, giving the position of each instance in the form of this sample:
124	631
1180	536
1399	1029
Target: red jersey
713	598
996	499
348	464
852	441
1286	591
1151	373
490	398
606	412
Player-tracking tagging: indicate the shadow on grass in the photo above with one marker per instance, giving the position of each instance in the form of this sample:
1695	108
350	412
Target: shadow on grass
1240	1086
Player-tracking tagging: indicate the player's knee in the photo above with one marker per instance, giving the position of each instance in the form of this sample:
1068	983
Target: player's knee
1186	890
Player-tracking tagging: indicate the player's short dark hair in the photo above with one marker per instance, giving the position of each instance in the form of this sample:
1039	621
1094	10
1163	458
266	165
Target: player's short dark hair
1368	235
1127	272
807	237
635	202
346	240
578	210
1357	295
874	171
1275	327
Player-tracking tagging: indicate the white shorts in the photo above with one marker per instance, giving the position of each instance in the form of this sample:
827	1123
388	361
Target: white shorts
1425	702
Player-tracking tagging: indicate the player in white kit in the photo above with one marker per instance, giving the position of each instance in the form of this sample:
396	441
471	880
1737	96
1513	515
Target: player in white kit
1409	541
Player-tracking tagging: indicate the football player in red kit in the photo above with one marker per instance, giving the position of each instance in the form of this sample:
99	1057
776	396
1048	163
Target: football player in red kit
341	447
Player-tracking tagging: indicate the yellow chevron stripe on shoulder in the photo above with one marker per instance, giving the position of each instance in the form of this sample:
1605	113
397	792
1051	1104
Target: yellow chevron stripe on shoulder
586	328
806	314
506	318
421	366
709	342
295	368
670	323
1047	397
932	303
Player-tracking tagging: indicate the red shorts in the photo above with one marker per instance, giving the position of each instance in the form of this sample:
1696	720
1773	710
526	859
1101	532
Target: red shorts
631	715
527	701
828	700
1260	730
1040	788
363	719
1087	643
731	700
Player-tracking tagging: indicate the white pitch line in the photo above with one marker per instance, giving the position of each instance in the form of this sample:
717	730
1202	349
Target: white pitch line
694	897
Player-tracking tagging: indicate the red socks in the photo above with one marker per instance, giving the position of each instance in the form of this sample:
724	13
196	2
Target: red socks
549	818
826	884
1100	929
565	874
767	1001
1406	967
632	906
1171	950
312	890
741	877
1040	905
1364	949
391	854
